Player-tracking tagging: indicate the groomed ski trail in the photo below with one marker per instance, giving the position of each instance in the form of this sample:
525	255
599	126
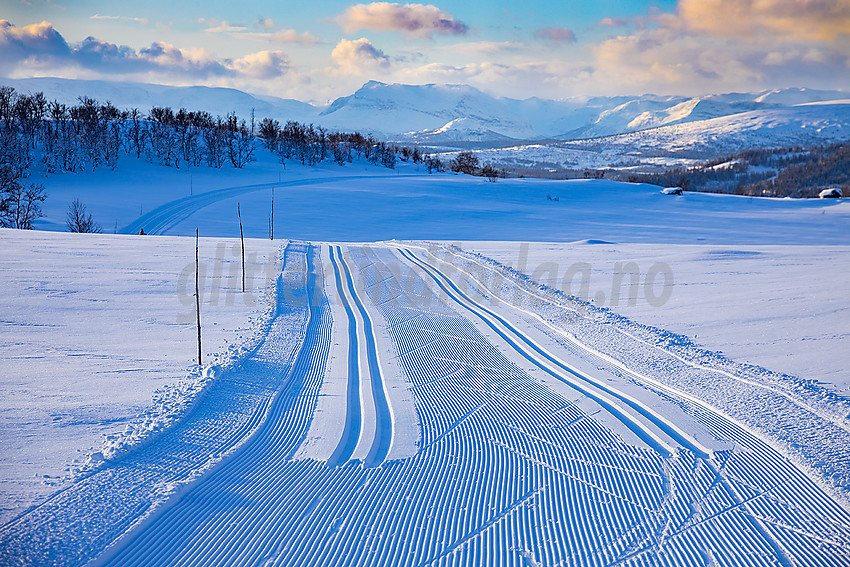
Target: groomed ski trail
78	523
165	217
597	391
509	472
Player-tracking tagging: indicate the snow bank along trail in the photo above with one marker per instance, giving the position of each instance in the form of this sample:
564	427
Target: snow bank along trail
530	453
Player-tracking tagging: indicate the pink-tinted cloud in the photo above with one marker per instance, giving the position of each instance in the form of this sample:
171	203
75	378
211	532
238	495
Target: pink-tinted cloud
557	35
292	36
415	20
821	20
612	22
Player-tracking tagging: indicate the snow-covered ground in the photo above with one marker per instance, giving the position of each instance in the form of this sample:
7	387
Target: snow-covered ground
362	202
93	326
775	306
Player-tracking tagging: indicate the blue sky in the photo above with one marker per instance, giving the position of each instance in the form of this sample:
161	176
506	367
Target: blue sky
320	50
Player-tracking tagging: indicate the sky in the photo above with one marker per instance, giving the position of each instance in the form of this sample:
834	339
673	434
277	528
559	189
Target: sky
318	51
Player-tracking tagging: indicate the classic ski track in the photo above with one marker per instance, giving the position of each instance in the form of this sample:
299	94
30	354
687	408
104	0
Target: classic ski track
838	421
352	428
168	215
580	381
383	436
501	326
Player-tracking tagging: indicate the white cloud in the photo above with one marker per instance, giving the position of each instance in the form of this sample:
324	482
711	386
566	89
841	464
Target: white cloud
353	57
143	21
41	45
262	65
223	27
415	20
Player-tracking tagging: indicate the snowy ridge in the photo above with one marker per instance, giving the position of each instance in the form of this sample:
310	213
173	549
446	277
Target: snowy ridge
144	96
685	143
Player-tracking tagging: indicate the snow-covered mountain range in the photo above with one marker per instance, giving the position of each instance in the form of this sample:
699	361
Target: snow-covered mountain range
439	114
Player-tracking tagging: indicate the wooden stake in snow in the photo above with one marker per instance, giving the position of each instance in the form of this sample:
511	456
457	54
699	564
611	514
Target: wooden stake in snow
241	236
271	219
197	296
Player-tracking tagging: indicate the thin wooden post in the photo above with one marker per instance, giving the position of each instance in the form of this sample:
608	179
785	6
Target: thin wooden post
242	237
271	223
198	296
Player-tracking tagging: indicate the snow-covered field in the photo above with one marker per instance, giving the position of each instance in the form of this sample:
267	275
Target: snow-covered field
93	325
403	403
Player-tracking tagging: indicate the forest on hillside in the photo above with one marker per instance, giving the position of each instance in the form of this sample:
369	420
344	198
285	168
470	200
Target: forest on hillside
795	172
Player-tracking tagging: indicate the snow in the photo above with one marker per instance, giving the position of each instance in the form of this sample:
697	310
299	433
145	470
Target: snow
474	410
364	203
761	304
687	143
93	326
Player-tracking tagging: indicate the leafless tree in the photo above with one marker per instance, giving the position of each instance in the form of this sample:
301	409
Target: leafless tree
79	220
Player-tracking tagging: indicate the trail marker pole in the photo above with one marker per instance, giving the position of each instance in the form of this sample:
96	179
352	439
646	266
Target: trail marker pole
242	237
197	296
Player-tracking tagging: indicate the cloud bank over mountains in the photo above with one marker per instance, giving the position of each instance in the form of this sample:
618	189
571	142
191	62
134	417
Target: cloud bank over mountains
699	46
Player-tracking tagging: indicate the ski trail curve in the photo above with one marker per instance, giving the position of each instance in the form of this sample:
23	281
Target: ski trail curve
168	215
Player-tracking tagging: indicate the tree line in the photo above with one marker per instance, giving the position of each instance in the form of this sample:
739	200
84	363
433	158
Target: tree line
42	137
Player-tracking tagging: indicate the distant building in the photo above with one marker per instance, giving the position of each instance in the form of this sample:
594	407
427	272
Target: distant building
831	193
672	190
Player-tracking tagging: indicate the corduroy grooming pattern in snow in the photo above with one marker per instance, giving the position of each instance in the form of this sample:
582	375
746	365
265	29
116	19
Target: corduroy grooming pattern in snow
508	471
78	523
